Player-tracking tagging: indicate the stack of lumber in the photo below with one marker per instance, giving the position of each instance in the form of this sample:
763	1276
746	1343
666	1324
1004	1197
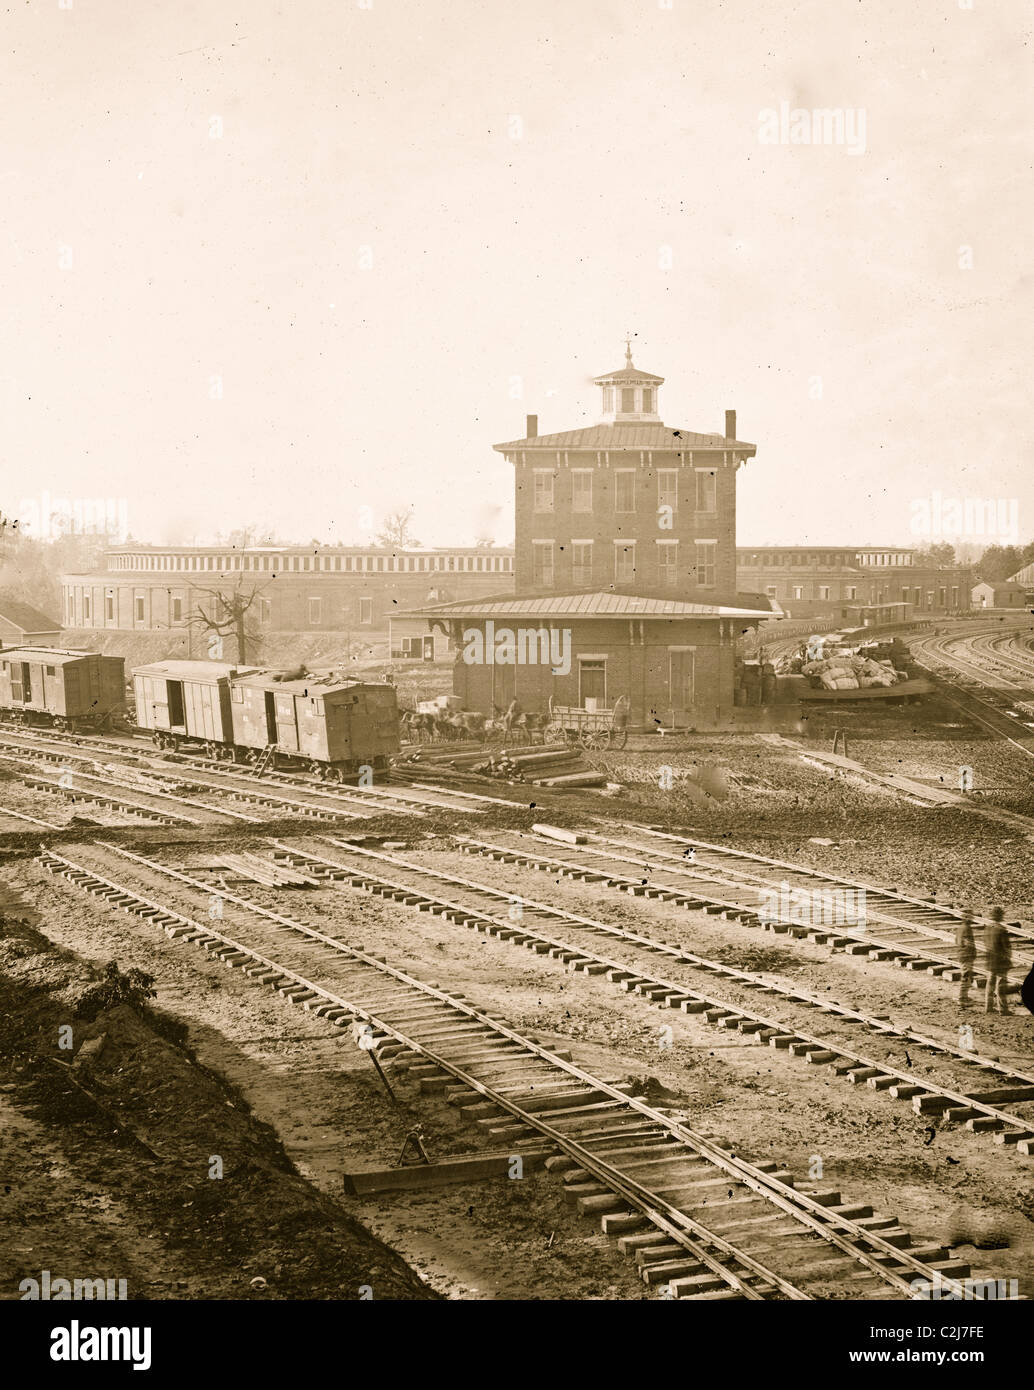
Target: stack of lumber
556	765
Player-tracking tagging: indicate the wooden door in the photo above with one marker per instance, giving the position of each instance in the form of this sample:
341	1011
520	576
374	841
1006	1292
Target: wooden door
286	727
681	681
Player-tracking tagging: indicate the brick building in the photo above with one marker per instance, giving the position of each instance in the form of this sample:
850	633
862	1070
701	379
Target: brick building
629	502
298	589
826	581
625	569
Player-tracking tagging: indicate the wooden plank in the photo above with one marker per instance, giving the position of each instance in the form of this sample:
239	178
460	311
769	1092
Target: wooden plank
468	1168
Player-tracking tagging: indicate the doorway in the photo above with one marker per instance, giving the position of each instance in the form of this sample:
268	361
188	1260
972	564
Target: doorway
681	693
592	683
21	682
270	717
177	719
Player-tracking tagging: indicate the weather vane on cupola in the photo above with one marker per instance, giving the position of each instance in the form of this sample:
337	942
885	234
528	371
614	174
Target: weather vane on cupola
628	349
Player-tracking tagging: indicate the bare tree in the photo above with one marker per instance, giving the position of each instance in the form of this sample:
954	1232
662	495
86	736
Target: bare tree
228	616
396	533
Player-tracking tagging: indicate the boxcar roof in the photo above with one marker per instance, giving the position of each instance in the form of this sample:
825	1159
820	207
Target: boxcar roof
52	656
189	670
303	685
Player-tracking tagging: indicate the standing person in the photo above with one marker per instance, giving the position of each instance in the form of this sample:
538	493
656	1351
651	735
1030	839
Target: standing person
967	949
510	718
997	962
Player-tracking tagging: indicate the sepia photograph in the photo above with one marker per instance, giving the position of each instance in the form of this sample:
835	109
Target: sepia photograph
516	677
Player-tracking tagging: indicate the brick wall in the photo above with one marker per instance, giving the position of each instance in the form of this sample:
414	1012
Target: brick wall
637	666
605	524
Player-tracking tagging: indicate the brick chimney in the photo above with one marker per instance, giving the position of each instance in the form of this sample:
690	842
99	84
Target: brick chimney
730	424
533	427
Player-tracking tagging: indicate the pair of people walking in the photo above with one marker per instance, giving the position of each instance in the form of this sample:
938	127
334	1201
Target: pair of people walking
997	961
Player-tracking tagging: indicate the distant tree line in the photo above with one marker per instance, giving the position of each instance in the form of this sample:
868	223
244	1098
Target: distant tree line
995	563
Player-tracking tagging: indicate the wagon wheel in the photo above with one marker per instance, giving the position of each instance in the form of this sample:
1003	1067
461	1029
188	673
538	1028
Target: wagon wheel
553	733
618	737
596	738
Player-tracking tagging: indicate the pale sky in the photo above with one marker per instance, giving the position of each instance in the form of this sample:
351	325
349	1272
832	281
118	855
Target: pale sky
420	222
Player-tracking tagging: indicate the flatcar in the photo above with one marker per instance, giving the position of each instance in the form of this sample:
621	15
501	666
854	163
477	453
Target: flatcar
66	690
268	717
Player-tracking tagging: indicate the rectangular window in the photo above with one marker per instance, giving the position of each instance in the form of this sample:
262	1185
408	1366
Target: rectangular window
707	490
177	610
315	612
366	610
705	566
581	564
543	490
628	400
823	592
624	490
770	591
542	564
668	488
109	608
51	670
581	489
139	609
86	607
624	561
647	400
851	591
798	591
668	563
608	399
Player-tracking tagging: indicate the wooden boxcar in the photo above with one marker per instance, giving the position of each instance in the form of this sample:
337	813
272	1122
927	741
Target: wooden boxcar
181	701
335	729
67	689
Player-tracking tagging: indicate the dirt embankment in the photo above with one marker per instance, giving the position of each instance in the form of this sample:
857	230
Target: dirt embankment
130	1160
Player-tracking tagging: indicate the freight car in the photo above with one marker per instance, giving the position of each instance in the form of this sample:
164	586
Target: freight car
268	718
67	690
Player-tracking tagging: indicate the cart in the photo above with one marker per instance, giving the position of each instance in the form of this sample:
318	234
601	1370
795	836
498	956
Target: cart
602	728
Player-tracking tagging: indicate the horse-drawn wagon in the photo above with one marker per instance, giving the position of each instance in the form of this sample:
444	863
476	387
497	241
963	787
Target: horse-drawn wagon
592	728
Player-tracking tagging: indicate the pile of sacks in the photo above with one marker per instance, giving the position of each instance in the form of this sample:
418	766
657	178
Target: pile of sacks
850	672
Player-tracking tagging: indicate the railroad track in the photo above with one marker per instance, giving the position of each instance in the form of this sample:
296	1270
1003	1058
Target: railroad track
1004	708
105	788
268	788
702	1223
909	932
971	1088
172	774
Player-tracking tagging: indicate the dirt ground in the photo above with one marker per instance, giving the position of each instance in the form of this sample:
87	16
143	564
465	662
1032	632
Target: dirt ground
292	1106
